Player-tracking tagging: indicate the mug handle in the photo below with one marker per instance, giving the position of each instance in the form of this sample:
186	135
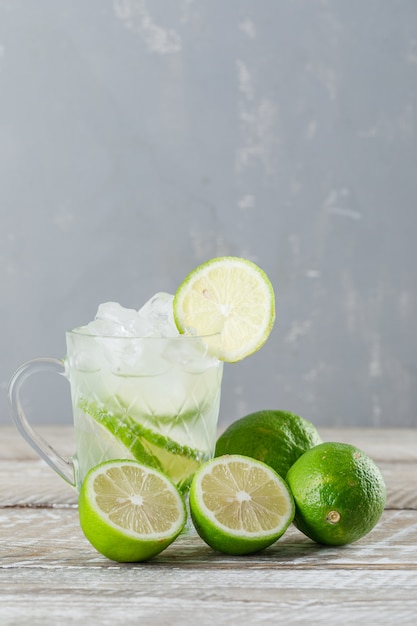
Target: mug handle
64	466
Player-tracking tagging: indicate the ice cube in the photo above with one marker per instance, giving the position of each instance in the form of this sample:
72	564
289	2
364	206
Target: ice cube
101	328
158	314
121	321
120	334
188	353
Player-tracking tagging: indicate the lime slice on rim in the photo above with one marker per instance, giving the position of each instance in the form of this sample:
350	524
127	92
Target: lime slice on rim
130	512
230	296
239	505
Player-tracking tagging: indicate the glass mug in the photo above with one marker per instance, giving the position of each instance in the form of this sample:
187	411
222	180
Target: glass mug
153	399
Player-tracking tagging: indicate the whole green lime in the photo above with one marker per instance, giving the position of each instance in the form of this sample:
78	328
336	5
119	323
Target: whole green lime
339	493
277	438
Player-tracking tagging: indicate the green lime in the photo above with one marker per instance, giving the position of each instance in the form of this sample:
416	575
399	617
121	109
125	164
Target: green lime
230	296
177	462
277	438
149	447
130	512
339	493
239	505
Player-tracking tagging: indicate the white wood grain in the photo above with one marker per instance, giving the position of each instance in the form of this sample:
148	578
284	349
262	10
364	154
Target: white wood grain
222	605
49	572
300	599
31	538
382	444
13	446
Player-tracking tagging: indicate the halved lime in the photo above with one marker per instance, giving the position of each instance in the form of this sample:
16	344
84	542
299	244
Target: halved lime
130	512
229	296
239	505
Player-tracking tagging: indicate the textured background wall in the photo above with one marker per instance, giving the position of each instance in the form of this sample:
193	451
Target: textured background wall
141	137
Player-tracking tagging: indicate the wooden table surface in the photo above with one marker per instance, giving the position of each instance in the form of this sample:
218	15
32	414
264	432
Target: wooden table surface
49	573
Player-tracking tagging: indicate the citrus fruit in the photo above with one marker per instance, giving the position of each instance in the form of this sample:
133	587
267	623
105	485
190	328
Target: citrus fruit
239	505
339	493
130	512
229	296
277	438
149	447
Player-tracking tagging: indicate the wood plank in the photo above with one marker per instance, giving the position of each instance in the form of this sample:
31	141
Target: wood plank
401	482
382	444
13	446
33	482
49	572
249	598
52	538
209	606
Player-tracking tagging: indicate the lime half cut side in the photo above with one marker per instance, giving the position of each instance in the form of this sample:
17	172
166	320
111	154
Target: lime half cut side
232	297
239	505
130	512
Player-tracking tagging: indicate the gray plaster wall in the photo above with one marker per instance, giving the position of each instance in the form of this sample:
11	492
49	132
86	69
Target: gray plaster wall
139	138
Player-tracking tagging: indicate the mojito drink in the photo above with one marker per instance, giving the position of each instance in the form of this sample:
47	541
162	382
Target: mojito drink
140	390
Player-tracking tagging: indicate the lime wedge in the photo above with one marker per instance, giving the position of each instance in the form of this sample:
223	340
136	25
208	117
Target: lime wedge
240	505
230	296
179	467
124	430
130	512
177	461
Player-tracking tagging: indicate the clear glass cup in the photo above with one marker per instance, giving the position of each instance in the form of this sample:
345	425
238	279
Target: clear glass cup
154	399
